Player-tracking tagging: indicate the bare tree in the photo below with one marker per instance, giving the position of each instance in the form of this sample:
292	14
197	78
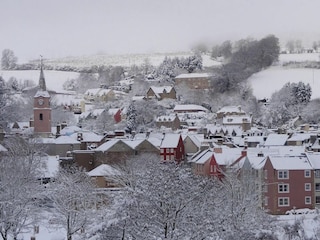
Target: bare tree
19	187
73	198
166	201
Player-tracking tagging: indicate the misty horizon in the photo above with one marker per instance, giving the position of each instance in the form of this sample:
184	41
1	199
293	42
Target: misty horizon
75	28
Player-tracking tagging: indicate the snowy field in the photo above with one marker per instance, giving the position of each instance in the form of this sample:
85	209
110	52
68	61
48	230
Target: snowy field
54	79
266	82
128	60
263	83
302	57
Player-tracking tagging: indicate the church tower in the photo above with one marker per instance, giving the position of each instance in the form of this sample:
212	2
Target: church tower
41	108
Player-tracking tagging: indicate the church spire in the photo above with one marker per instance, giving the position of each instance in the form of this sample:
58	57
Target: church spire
42	81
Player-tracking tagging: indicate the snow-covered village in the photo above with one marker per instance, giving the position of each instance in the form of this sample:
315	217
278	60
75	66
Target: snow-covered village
216	140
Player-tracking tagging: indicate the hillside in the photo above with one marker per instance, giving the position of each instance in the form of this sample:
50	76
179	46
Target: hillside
266	82
122	60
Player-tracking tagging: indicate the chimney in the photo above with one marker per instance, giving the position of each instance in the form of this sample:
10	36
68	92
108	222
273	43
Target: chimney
63	125
217	149
260	154
58	130
244	152
147	134
79	137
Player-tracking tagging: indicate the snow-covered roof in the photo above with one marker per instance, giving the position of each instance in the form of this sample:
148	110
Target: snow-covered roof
113	111
170	140
104	170
230	109
133	143
274	139
316	144
158	90
314	159
189	107
3	149
290	163
66	140
41	93
88	136
259	139
21	125
197	139
299	137
228	155
202	157
107	145
194	75
66	99
69	130
97	112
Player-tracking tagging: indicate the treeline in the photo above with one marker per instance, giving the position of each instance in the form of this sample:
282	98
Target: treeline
242	59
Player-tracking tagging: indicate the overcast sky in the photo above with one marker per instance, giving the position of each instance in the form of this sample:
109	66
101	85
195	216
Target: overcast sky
58	28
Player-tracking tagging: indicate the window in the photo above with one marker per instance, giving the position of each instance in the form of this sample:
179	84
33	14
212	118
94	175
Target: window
307	200
41	116
283	201
283	174
266	201
265	174
307	173
317	187
317	199
307	186
317	173
283	188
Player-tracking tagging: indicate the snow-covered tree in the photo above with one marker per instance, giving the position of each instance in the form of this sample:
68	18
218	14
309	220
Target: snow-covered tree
20	188
3	102
287	103
301	92
192	63
74	200
8	59
131	117
167	201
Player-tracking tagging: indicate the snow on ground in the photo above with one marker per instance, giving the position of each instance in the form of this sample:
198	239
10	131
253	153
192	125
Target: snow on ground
299	57
266	82
54	79
127	60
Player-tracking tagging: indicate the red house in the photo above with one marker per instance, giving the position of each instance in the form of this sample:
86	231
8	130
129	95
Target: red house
213	162
172	148
116	113
289	184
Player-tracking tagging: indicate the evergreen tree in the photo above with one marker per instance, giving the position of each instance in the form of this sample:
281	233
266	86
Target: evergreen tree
131	118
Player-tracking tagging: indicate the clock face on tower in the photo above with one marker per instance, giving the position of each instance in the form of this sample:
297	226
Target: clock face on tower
40	101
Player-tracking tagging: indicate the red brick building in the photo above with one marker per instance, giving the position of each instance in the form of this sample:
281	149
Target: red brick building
289	184
42	109
172	148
